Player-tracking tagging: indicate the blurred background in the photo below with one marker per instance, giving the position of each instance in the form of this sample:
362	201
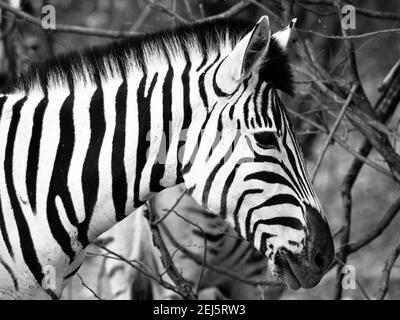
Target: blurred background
316	54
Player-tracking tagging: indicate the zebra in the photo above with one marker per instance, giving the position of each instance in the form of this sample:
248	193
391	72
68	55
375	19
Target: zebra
80	136
245	267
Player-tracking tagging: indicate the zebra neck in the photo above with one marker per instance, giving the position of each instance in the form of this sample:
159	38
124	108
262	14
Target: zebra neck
151	115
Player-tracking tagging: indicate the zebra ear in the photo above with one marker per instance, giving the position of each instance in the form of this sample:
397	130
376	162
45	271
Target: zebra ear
282	37
249	51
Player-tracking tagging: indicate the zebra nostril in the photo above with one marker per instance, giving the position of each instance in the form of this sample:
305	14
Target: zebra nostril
320	262
320	243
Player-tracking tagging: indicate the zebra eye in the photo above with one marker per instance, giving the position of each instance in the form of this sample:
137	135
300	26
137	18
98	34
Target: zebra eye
266	140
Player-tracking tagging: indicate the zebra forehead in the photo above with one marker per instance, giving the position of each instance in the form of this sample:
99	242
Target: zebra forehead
206	38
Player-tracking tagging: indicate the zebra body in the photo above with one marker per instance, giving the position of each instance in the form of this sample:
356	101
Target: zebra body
80	137
133	240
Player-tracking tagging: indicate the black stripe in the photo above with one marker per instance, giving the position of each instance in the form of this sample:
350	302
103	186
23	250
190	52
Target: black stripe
303	179
218	134
187	116
257	114
3	229
262	158
246	112
211	237
144	120
11	273
242	254
239	204
34	151
119	180
71	274
216	88
265	106
269	177
211	177
293	162
186	168
232	250
277	113
26	243
202	88
90	171
289	222
233	105
203	62
158	169
297	150
275	200
225	190
253	125
59	180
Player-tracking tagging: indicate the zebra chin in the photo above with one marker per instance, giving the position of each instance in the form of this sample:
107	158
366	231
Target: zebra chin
293	270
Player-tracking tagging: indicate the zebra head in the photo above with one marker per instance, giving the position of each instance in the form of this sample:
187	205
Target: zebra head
248	166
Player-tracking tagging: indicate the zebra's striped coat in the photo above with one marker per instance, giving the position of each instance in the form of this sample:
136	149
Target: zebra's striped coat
81	136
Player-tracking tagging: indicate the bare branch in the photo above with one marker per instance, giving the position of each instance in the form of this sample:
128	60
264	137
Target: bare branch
203	262
168	211
386	272
140	269
63	28
362	11
332	132
184	288
232	11
354	36
343	144
164	9
87	287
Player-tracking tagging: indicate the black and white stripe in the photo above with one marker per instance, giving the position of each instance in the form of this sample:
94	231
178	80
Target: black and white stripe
88	137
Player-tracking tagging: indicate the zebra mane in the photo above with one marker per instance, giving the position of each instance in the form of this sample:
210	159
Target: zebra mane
112	59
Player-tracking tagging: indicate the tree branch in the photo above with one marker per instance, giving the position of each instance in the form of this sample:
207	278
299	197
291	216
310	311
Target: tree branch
332	132
386	272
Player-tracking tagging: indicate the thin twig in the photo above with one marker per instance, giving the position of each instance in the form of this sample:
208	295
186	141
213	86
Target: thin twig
375	14
68	28
87	287
387	271
232	11
353	36
343	144
141	19
189	9
333	130
140	269
168	211
203	262
166	10
183	287
378	228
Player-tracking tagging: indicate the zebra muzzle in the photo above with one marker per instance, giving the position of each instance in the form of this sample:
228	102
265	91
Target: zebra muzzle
307	268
